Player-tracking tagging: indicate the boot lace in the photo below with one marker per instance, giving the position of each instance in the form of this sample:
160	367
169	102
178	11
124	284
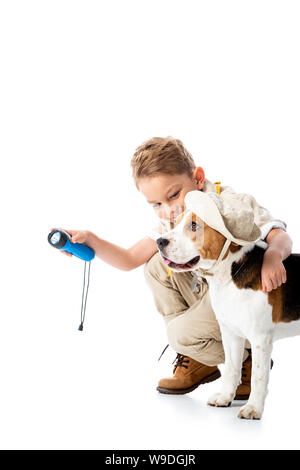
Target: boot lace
180	360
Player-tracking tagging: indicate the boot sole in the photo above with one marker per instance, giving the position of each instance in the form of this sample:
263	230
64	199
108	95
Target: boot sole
181	391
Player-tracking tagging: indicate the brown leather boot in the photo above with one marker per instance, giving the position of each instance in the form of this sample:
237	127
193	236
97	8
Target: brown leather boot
188	375
244	389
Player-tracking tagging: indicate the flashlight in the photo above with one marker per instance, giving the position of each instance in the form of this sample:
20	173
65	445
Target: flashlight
61	240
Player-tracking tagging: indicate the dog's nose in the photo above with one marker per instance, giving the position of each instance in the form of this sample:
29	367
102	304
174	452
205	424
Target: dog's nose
162	242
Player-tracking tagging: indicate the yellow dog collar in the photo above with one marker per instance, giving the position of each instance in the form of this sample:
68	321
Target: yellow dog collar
169	271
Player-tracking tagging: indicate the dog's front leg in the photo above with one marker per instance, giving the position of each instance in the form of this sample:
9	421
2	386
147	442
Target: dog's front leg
261	358
234	351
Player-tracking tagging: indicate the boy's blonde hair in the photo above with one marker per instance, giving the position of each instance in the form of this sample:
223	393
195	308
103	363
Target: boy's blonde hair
161	155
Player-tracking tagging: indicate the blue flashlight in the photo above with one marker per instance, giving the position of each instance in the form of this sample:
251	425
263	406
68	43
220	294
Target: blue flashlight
61	240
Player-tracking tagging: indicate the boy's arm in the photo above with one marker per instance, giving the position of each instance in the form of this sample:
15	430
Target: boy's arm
273	272
279	241
125	259
142	251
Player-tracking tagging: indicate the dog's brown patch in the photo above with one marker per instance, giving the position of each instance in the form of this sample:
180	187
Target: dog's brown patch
208	242
275	300
212	244
246	273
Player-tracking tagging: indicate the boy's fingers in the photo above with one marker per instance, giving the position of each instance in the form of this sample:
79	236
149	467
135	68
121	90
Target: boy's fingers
268	285
70	232
272	285
76	238
284	276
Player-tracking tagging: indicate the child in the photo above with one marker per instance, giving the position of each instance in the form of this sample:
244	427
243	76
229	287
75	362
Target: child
164	171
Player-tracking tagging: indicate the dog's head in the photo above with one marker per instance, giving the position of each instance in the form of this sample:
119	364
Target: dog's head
192	244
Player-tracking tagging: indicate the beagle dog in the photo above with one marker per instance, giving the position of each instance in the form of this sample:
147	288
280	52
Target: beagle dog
233	273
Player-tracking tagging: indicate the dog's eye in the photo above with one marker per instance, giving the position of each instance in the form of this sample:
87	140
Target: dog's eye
194	226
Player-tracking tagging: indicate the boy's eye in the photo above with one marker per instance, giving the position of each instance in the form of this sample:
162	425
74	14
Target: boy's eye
173	195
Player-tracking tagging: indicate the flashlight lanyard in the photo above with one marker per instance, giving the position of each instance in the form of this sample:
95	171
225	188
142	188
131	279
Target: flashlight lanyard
84	295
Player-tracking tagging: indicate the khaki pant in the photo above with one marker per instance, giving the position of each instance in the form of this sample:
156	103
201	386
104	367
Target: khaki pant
192	328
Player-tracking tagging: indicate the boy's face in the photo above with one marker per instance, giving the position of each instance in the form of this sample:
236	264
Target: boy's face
166	193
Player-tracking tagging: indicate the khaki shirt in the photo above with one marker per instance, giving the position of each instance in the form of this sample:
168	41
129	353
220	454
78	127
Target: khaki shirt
262	217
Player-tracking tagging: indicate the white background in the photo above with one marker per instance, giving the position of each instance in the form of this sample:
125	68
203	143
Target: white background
83	84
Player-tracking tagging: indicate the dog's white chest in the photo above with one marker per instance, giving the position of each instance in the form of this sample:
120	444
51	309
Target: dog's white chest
241	310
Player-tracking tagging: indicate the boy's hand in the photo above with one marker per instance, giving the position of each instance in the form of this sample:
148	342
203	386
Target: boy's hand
273	272
76	236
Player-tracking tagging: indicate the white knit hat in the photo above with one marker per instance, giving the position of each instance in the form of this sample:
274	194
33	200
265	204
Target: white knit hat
229	214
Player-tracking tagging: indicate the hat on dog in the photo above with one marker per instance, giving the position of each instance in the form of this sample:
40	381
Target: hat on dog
230	214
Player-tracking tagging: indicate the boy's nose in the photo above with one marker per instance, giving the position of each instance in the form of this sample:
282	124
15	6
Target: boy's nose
162	242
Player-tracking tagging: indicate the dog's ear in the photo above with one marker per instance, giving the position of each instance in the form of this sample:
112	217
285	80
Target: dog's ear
234	247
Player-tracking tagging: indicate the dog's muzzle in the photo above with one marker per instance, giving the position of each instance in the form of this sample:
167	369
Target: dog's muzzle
162	243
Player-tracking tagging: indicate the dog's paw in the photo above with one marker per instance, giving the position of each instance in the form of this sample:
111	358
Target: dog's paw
249	412
218	399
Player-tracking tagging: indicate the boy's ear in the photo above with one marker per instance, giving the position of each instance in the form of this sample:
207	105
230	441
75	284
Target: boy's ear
199	175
